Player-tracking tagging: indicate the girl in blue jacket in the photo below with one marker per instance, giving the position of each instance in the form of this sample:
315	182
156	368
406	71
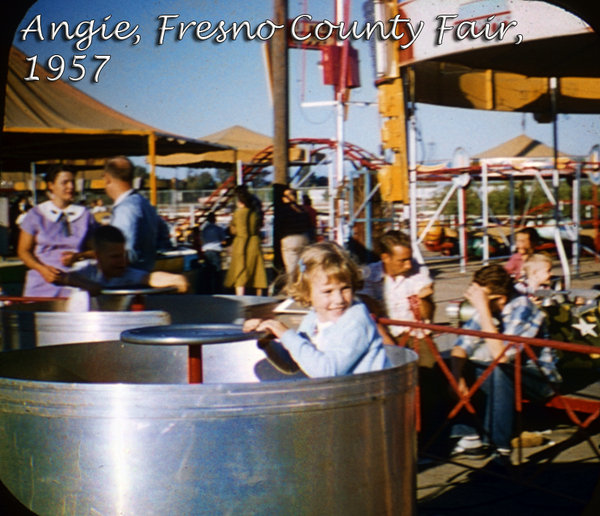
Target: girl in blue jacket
337	336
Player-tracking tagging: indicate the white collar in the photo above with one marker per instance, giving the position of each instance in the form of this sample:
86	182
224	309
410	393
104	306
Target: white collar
122	196
52	212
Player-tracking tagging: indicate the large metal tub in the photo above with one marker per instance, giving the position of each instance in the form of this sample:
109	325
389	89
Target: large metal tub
25	329
198	309
28	325
343	445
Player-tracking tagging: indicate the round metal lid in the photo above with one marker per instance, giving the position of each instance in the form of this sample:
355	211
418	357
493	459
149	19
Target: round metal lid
135	290
182	334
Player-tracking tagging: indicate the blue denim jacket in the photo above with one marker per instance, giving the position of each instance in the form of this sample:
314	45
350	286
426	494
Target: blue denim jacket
352	345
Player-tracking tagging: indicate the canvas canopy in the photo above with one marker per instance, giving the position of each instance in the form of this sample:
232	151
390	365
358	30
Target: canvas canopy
49	120
245	144
500	74
521	146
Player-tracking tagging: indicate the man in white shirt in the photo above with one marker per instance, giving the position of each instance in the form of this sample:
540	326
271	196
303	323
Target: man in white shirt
399	284
399	287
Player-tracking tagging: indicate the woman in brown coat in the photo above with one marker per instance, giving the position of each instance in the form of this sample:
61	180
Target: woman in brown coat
247	267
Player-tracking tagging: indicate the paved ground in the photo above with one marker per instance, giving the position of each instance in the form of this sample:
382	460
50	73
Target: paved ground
558	477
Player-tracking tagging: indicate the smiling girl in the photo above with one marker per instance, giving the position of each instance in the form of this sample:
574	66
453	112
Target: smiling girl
337	336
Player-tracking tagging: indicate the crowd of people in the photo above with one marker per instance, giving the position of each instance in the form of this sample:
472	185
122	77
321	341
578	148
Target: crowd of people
65	247
337	336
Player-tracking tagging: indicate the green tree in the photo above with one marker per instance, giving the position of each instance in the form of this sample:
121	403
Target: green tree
473	203
201	181
222	174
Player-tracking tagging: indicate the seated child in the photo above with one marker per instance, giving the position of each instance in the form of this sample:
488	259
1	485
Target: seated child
537	271
337	336
526	241
500	309
112	271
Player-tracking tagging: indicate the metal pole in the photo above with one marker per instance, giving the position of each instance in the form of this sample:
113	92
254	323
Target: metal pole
412	175
339	176
331	199
462	228
511	186
485	212
239	172
368	214
576	214
341	9
279	62
555	176
553	86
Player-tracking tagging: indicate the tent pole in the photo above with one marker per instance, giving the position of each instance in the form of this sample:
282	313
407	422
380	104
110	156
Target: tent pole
239	171
33	183
152	161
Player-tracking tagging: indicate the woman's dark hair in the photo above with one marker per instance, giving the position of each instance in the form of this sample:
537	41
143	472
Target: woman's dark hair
534	237
54	170
244	197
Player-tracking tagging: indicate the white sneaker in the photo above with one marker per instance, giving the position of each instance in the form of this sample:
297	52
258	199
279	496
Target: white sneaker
470	445
469	441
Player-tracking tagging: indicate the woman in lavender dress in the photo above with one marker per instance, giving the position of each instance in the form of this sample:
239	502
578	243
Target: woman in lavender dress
54	236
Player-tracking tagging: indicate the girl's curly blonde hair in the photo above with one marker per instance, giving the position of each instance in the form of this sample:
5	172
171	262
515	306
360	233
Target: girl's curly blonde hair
328	257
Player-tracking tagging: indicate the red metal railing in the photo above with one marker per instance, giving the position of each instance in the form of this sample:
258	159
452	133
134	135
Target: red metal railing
566	402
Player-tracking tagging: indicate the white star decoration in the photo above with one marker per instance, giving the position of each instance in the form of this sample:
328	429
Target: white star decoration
585	328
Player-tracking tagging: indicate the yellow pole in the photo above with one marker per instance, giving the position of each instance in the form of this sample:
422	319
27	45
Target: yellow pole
152	161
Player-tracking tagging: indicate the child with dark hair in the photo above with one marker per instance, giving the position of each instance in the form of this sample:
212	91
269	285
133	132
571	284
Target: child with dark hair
112	269
499	309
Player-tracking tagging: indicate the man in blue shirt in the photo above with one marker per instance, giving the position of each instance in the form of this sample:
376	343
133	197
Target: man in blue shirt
145	231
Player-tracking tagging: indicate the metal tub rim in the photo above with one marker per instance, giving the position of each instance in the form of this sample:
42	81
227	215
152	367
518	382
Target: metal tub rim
50	398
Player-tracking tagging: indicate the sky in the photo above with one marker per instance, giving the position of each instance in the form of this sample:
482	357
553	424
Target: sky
195	88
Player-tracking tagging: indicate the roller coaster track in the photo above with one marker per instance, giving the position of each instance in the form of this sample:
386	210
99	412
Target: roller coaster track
359	157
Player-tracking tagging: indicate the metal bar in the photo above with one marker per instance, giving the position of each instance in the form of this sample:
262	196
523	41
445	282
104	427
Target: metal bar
485	212
195	363
462	225
576	214
532	341
365	203
436	215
